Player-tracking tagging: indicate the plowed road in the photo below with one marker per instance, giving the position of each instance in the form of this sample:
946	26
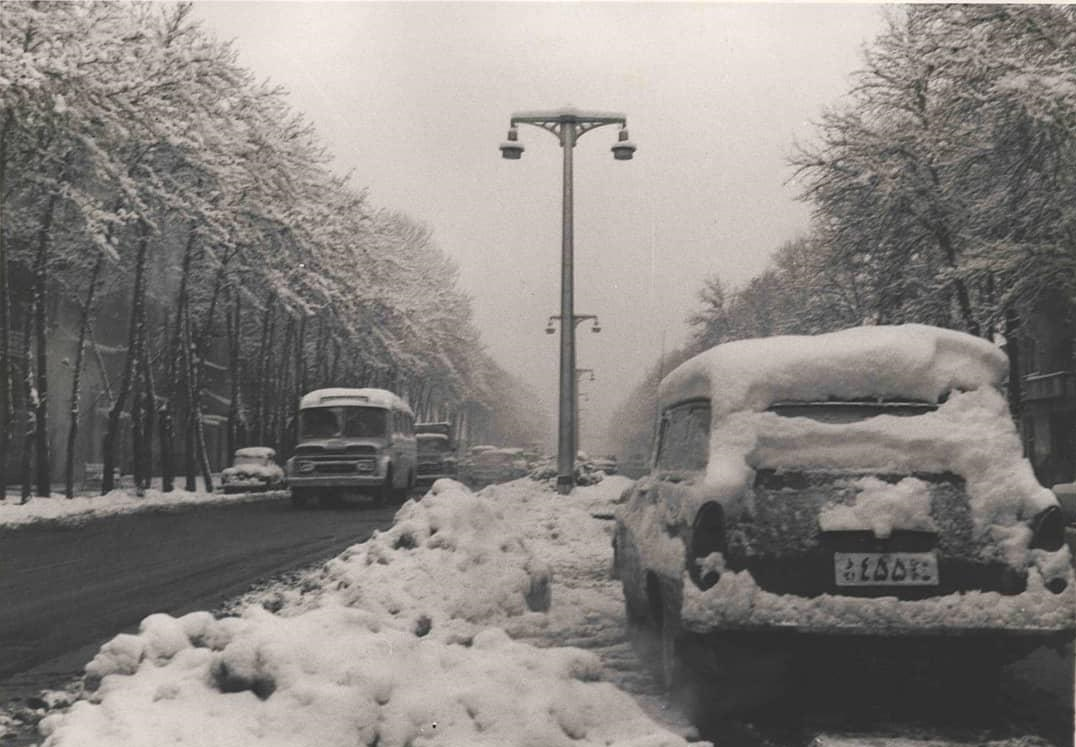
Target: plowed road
68	588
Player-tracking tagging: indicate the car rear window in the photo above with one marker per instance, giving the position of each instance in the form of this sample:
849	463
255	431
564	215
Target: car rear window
850	412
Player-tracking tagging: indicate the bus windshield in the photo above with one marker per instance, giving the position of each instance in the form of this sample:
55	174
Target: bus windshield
342	422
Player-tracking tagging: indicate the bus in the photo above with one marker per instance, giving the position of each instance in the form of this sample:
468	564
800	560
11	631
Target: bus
352	442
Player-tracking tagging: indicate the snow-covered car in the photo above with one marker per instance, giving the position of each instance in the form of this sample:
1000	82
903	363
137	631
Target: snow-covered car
861	485
495	465
606	464
253	468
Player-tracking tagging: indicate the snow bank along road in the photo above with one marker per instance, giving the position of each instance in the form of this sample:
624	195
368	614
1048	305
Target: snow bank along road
418	636
65	586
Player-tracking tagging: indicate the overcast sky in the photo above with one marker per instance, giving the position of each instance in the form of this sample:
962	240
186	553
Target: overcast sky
414	98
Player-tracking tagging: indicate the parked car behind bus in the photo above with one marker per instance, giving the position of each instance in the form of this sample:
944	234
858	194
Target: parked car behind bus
436	452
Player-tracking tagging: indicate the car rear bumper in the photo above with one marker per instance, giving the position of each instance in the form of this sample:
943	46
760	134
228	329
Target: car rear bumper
737	603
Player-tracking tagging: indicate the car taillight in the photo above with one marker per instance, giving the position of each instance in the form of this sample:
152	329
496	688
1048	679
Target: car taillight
1048	529
707	537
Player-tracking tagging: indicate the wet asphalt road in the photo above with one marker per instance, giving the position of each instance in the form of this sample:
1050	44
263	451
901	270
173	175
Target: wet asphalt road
66	589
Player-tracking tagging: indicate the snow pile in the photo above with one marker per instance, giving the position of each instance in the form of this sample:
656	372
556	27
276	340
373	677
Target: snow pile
881	508
387	645
336	677
562	530
448	563
57	508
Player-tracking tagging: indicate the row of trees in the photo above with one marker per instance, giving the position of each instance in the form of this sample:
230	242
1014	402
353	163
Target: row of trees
163	212
943	190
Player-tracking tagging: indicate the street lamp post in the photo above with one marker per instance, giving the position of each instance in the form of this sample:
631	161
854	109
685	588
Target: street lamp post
579	410
567	125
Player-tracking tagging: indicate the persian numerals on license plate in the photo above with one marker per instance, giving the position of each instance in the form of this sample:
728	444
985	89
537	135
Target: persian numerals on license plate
886	569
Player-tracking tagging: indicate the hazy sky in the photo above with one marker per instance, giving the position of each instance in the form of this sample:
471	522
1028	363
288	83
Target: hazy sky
414	98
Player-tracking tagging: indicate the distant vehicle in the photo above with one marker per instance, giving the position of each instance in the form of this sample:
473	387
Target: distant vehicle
353	441
606	464
253	468
436	452
859	491
495	465
1066	496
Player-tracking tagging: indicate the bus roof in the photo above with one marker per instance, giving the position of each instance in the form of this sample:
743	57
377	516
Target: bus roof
366	397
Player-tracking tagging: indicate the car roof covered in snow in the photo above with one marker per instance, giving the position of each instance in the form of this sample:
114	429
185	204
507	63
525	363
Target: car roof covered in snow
256	452
368	397
909	361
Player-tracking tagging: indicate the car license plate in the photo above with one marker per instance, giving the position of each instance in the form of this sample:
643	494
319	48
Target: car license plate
886	568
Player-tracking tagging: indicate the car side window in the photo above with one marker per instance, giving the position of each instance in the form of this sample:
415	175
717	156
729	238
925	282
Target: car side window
685	437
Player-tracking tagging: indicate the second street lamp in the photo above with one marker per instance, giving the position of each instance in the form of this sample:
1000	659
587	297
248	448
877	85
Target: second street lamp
567	125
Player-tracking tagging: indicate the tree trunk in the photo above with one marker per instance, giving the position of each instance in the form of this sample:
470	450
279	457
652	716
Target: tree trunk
138	432
6	419
335	362
149	407
300	359
174	355
166	427
41	276
283	404
320	359
134	337
166	430
76	379
1012	347
234	326
28	410
197	431
190	468
263	358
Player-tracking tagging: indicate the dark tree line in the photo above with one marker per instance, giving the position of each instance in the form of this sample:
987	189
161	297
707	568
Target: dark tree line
943	190
170	228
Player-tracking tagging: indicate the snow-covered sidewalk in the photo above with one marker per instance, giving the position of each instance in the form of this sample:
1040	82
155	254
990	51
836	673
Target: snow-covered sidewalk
57	508
420	636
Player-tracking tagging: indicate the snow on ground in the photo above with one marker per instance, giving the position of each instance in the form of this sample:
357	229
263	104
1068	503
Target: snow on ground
416	637
58	508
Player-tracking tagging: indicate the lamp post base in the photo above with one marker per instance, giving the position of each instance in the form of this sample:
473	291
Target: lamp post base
565	483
